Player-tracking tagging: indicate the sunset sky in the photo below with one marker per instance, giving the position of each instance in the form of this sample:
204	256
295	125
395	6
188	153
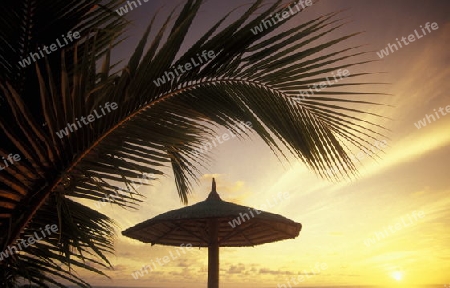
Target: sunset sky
407	188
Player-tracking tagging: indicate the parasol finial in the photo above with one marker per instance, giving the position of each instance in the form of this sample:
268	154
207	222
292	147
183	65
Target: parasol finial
213	195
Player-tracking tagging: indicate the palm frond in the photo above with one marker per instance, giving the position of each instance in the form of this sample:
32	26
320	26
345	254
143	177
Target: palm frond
252	78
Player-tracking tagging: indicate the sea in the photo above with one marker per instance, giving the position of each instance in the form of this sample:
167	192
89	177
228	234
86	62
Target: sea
229	286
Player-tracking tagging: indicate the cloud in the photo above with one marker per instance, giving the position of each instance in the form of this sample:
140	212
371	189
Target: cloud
120	267
186	272
236	269
274	272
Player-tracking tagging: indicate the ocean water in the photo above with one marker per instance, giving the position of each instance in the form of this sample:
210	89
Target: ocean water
329	286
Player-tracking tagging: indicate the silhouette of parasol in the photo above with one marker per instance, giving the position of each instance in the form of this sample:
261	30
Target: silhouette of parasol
206	224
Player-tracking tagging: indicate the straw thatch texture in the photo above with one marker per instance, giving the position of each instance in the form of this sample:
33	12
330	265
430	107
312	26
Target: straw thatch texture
190	225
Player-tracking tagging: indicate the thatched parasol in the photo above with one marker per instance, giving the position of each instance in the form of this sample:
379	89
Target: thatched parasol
207	224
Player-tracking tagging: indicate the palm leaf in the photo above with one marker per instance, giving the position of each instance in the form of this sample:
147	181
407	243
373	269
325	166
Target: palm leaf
252	78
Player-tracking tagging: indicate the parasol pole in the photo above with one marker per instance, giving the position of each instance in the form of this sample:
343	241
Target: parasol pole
213	254
213	247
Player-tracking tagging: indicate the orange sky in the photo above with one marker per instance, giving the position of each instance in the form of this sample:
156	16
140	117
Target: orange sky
408	188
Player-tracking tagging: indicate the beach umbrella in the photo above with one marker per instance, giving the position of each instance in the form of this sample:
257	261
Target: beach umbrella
210	224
